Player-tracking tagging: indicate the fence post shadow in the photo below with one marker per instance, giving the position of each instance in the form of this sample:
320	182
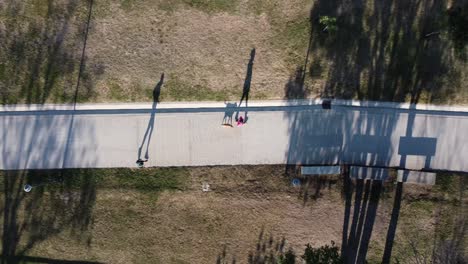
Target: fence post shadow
56	203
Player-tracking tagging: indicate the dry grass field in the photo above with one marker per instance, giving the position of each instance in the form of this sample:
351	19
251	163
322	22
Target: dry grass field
379	51
251	213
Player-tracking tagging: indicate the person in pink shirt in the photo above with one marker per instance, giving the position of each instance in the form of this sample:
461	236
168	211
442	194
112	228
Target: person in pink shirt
240	121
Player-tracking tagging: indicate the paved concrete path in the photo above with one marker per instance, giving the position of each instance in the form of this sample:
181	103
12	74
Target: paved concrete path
191	134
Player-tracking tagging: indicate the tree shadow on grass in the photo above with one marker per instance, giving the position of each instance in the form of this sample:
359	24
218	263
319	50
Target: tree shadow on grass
30	259
295	89
311	186
59	200
458	23
397	60
268	250
450	246
358	224
385	50
43	52
39	60
446	241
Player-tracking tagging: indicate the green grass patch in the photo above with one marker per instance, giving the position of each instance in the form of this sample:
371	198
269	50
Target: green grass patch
146	180
40	7
37	58
2	72
213	6
446	182
293	37
149	179
208	6
177	90
127	4
116	92
421	206
267	7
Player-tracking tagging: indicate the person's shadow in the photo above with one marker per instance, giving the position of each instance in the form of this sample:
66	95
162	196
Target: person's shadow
247	82
149	129
228	113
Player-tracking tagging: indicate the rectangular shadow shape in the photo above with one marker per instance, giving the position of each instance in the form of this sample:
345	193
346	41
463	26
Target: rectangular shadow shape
417	146
320	170
368	144
324	141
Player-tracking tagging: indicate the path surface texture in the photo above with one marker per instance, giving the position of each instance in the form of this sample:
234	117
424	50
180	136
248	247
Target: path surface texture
192	134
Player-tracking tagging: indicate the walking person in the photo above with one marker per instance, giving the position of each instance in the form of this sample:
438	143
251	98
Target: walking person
240	121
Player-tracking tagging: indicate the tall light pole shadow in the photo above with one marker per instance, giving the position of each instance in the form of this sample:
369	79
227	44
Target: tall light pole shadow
149	129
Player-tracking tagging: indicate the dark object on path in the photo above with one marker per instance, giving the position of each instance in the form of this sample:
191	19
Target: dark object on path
141	163
326	104
228	113
240	121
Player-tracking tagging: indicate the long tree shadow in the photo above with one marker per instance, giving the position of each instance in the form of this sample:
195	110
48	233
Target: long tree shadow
399	189
268	250
295	89
30	259
246	87
312	187
458	21
358	225
59	200
83	54
40	58
450	247
401	57
447	242
149	129
389	240
386	50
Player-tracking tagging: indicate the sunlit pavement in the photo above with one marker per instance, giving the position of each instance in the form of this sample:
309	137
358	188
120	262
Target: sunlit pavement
192	134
